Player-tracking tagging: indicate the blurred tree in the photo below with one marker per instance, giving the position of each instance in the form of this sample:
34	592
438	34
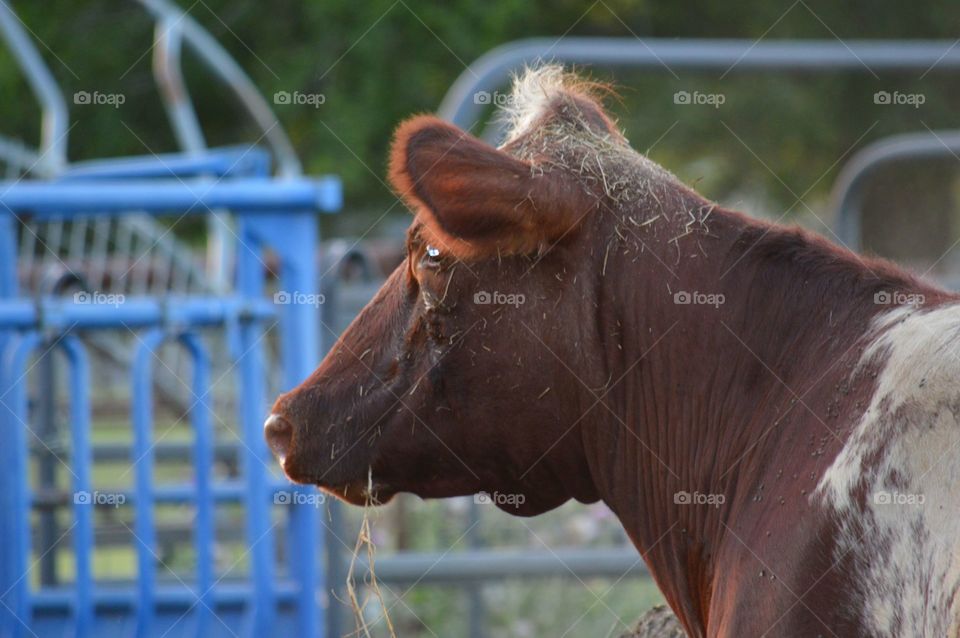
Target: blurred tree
776	139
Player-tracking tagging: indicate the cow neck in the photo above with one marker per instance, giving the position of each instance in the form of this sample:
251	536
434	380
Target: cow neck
705	342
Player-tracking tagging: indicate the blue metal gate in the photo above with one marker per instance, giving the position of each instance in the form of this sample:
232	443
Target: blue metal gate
272	598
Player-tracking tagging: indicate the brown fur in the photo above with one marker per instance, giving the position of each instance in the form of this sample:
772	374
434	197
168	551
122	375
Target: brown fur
599	385
474	200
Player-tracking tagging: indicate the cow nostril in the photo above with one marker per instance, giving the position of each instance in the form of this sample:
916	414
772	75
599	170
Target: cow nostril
279	435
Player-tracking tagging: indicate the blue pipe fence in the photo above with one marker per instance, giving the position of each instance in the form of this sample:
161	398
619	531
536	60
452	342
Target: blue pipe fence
270	598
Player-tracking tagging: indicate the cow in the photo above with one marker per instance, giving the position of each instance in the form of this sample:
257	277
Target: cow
772	418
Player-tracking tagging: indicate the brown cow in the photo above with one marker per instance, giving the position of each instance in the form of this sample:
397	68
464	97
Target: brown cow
773	419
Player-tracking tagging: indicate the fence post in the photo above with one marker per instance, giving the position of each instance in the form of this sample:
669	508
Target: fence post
8	290
293	237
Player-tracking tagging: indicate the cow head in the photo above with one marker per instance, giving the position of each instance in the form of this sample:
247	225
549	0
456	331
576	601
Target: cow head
460	376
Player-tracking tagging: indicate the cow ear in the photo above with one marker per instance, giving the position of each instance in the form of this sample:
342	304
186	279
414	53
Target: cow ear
476	200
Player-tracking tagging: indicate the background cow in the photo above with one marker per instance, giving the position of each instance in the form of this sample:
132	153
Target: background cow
772	418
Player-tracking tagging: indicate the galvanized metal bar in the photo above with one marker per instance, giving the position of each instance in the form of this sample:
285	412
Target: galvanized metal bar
47	465
186	126
848	189
225	67
168	75
466	100
478	566
476	607
165	451
53	134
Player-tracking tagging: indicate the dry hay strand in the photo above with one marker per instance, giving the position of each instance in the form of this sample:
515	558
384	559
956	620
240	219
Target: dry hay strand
659	622
357	603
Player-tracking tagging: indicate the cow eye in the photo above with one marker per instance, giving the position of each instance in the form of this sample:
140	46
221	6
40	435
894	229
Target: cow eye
431	257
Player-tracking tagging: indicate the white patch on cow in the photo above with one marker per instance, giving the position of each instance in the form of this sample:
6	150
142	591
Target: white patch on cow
904	540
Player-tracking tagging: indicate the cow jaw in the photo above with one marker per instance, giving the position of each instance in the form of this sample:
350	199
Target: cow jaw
361	494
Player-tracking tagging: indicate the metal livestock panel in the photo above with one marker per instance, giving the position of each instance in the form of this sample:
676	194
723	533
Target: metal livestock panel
279	215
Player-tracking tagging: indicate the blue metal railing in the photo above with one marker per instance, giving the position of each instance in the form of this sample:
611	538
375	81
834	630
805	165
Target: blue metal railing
274	214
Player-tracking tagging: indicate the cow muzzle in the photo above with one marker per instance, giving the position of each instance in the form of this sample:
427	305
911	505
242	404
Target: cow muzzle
279	435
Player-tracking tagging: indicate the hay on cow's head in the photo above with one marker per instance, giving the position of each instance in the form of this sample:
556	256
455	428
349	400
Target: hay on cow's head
555	119
534	91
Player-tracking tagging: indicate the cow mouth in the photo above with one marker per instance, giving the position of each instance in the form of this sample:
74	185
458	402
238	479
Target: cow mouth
360	494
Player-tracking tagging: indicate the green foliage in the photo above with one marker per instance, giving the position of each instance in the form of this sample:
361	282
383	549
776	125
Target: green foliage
378	62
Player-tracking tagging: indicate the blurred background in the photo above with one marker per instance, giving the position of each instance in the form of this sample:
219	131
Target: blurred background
378	62
338	77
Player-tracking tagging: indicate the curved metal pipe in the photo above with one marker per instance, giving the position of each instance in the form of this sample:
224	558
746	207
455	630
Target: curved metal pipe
225	67
173	90
847	194
462	105
53	132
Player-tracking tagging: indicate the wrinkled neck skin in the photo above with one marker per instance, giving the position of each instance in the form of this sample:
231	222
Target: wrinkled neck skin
711	399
